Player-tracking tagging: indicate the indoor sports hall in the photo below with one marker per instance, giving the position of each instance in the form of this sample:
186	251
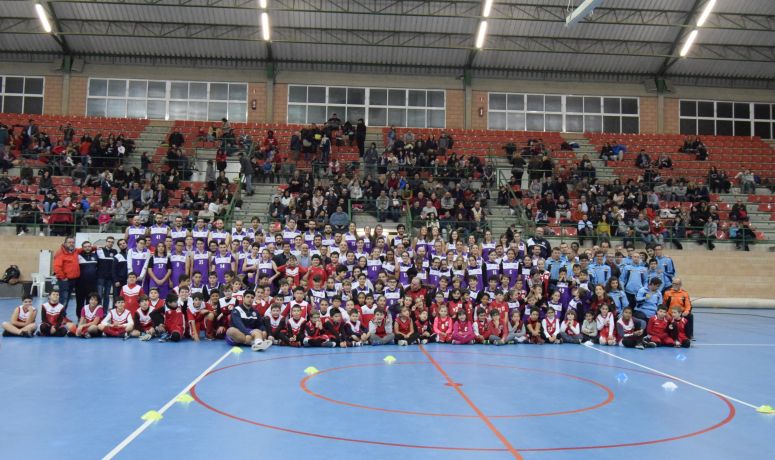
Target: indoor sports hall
470	229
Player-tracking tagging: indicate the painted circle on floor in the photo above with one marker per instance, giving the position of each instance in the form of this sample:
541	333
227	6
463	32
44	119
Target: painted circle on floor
608	394
728	418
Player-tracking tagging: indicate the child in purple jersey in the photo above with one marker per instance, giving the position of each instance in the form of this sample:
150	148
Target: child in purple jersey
179	263
137	260
159	271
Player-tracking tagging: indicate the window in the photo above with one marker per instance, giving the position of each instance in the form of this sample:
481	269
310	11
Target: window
539	112
724	118
175	100
417	108
21	94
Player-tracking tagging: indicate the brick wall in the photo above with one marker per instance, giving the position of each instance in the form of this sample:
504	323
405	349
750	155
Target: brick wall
257	91
671	116
280	102
52	104
77	101
455	108
479	101
648	115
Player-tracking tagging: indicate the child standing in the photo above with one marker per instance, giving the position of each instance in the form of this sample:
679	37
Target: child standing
442	326
22	323
550	326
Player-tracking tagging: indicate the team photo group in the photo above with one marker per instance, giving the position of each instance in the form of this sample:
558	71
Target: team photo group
317	287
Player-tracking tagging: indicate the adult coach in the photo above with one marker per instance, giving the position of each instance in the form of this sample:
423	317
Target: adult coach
67	269
677	297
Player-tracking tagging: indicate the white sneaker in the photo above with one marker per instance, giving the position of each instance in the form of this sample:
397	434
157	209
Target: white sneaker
403	343
21	233
261	345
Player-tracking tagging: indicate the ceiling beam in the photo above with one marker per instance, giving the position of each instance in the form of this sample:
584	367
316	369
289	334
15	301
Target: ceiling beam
672	58
55	26
467	9
392	39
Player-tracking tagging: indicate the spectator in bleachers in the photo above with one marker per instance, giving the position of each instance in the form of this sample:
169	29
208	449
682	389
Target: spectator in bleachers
176	138
744	236
643	160
747	181
360	136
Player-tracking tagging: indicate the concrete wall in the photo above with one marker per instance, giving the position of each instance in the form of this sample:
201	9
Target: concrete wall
726	274
25	252
68	95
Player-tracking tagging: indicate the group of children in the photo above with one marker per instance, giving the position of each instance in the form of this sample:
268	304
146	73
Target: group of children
342	289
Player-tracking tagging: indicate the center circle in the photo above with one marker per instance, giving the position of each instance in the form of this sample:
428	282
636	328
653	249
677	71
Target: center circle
609	395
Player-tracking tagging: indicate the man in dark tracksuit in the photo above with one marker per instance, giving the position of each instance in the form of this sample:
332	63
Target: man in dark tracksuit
105	260
120	268
87	282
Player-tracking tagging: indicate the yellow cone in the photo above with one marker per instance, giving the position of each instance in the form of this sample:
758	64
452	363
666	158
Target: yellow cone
311	370
236	350
766	409
390	359
152	416
185	398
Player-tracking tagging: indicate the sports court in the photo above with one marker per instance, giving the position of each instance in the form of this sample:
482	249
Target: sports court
438	401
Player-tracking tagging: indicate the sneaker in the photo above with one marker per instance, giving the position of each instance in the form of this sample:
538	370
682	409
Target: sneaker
357	344
403	343
87	336
146	337
651	344
21	233
328	344
71	334
424	341
261	345
6	334
164	337
126	335
640	346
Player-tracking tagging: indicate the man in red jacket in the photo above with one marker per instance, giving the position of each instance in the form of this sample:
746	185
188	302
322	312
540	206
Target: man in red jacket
67	269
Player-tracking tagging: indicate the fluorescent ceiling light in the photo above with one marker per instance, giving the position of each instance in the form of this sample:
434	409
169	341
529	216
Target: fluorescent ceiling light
262	4
480	35
487	8
586	8
688	43
265	25
43	17
706	12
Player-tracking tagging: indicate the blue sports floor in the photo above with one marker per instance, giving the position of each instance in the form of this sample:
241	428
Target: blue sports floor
74	398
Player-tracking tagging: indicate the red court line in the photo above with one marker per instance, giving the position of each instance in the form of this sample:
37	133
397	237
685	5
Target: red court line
471	404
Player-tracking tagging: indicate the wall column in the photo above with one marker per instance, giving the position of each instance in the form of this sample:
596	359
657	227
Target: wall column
660	113
65	94
467	98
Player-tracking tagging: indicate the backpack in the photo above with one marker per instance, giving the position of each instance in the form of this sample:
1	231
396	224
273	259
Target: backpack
11	275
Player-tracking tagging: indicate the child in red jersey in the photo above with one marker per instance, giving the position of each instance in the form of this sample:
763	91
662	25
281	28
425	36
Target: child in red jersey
677	328
403	328
606	326
631	331
442	326
199	318
54	320
118	322
22	323
298	299
497	331
275	325
657	328
480	325
294	329
91	317
174	320
145	320
534	328
463	329
550	326
381	328
501	305
154	302
423	326
516	327
314	334
131	293
357	334
226	305
570	329
335	329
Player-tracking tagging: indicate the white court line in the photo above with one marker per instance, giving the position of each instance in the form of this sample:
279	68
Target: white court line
665	374
733	345
164	408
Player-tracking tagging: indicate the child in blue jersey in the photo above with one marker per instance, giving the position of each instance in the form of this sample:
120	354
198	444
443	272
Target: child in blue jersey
649	298
634	278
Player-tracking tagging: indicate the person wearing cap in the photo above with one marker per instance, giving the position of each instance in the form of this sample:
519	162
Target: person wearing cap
247	326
